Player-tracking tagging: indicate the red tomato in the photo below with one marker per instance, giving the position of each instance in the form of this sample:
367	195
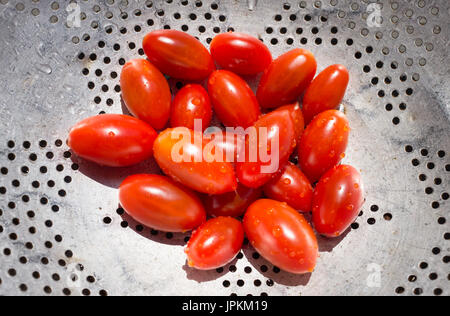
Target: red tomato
230	144
146	92
232	204
112	140
325	92
178	55
279	127
292	187
240	53
297	117
338	198
234	102
160	203
282	236
191	103
196	170
323	143
286	78
215	243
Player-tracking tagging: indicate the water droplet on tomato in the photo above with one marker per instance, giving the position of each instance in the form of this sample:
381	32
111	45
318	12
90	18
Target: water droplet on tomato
276	232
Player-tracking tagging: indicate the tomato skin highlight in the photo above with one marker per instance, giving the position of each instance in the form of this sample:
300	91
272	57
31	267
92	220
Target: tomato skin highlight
112	140
215	243
191	102
233	204
240	53
297	117
146	92
326	91
178	55
205	177
286	78
338	199
160	203
282	236
233	100
279	124
323	144
292	187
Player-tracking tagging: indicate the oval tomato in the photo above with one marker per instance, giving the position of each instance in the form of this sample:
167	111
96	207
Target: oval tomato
182	154
191	102
146	92
215	243
240	53
338	199
178	55
323	143
112	140
234	102
297	117
227	145
160	203
325	92
232	204
286	78
292	187
277	147
282	236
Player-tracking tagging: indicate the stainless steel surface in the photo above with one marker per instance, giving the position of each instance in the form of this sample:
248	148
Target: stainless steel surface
65	237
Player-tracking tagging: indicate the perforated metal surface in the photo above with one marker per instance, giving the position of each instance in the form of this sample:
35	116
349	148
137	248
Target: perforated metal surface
61	232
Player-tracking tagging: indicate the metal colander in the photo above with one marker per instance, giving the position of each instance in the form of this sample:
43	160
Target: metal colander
61	230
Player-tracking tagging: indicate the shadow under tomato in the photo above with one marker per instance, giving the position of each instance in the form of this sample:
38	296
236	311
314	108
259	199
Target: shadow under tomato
113	177
208	275
328	244
273	273
172	239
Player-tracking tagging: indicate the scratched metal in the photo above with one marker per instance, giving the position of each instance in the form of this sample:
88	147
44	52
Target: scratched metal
60	230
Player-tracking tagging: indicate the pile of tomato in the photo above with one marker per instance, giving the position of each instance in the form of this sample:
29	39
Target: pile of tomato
239	200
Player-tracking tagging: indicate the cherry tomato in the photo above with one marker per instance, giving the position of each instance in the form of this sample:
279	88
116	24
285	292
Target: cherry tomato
286	78
282	236
178	55
234	102
297	117
292	187
280	131
232	204
146	92
113	140
228	145
338	199
325	92
240	53
215	243
160	203
181	154
192	102
323	143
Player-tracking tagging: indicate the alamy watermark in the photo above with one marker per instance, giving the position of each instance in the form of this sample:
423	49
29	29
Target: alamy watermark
254	145
74	16
374	18
374	278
